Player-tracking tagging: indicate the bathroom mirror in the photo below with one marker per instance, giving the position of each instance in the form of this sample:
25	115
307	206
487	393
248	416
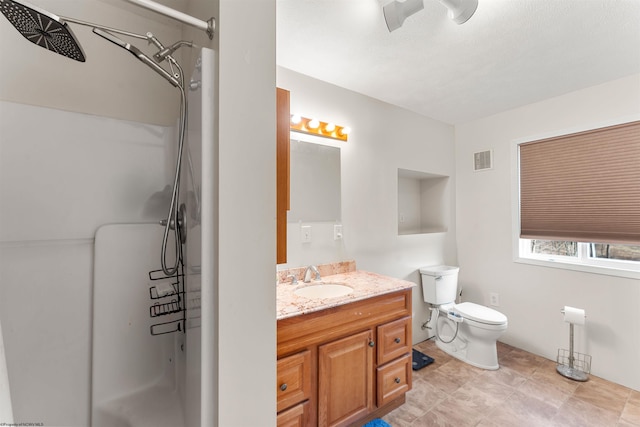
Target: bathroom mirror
314	182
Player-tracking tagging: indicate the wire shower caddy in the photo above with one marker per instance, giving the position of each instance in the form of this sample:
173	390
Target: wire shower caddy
168	295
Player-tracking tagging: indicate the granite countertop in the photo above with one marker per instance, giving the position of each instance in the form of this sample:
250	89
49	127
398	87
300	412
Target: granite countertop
364	284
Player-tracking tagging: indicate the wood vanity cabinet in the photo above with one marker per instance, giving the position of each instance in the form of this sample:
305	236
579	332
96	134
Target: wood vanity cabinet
355	358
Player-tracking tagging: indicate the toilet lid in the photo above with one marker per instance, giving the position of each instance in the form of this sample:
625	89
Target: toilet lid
480	313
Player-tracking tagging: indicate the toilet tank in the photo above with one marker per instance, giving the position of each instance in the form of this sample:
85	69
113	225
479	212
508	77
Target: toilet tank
439	284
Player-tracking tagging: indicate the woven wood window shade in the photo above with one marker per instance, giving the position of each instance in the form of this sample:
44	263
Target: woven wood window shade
582	187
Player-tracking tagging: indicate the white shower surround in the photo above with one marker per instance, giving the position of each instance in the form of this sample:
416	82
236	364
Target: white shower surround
61	180
141	380
137	377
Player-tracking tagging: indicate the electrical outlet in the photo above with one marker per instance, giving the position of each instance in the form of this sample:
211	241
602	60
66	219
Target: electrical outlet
494	299
305	234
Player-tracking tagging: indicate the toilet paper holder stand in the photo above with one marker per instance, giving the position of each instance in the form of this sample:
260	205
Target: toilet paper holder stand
571	364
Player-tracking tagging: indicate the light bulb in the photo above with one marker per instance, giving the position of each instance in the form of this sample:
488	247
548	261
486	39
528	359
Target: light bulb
296	119
345	130
330	127
313	124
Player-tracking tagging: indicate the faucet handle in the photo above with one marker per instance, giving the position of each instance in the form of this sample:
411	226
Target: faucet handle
294	279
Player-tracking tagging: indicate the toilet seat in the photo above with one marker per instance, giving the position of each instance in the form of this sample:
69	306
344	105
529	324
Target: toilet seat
480	313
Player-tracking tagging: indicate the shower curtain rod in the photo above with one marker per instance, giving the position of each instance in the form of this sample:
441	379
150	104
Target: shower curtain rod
207	26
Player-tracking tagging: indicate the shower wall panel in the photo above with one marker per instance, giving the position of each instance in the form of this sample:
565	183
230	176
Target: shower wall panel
62	175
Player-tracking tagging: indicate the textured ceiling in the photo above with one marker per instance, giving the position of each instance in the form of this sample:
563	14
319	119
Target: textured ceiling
510	53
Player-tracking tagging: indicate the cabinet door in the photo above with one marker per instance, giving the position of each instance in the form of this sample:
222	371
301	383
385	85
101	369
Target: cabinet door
345	379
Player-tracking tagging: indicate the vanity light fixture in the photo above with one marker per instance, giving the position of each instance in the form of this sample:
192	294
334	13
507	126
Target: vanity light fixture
318	128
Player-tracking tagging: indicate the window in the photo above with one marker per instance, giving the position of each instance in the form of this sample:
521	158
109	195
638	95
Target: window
578	200
599	255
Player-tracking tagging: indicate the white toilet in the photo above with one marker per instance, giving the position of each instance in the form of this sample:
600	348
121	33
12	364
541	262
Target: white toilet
466	331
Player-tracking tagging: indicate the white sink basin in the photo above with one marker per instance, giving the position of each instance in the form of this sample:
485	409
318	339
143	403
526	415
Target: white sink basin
323	290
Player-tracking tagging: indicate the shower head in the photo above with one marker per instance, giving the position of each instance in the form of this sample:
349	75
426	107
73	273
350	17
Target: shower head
42	28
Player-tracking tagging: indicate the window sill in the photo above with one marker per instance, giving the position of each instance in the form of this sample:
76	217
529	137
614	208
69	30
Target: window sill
585	268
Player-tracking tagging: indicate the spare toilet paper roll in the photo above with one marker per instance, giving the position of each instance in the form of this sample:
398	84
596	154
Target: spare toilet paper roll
574	315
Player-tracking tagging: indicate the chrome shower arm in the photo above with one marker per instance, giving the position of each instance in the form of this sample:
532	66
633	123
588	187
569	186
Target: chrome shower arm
102	27
138	54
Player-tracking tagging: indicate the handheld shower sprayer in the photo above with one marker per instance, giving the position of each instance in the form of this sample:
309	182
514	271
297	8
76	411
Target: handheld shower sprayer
175	218
53	33
138	54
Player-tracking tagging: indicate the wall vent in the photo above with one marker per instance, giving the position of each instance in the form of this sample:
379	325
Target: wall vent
483	160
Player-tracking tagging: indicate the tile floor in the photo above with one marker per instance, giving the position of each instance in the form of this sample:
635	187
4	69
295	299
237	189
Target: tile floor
525	391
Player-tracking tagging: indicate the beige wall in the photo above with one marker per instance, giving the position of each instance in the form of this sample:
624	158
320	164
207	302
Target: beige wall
532	296
384	139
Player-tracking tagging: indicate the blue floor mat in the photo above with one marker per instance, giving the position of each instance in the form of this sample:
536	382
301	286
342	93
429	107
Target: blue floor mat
377	423
420	360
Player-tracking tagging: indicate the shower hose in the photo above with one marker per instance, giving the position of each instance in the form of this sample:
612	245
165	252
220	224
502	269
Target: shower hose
437	310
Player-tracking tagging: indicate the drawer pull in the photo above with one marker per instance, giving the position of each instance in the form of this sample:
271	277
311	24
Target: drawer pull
397	380
397	340
283	387
371	343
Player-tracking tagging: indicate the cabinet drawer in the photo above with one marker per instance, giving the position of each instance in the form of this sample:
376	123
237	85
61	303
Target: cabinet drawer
298	416
293	379
394	379
394	340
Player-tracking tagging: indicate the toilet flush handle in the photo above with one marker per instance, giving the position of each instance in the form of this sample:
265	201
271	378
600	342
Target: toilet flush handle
438	278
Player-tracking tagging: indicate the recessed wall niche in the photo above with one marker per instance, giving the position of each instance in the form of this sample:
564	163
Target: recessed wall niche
423	202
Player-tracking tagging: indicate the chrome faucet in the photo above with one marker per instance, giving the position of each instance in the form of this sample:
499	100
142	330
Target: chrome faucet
307	274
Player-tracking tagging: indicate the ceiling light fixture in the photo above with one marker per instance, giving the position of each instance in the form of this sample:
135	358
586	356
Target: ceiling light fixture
397	11
460	10
318	128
